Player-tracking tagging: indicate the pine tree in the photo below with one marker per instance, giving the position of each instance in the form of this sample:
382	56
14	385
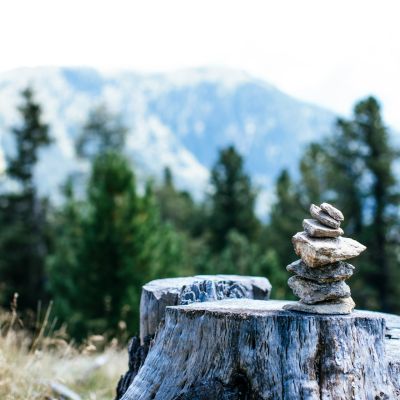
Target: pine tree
94	271
232	200
122	241
111	275
23	244
313	176
63	262
344	173
286	217
29	138
102	132
110	245
375	184
355	171
163	250
178	208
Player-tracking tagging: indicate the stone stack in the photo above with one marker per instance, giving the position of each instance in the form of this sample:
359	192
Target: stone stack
320	274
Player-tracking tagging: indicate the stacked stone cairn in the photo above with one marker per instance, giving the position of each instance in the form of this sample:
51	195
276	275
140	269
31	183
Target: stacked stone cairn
320	274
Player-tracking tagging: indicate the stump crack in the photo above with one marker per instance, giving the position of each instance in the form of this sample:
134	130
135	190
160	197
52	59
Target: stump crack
318	362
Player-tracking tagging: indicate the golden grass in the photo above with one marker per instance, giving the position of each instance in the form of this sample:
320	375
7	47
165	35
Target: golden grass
29	368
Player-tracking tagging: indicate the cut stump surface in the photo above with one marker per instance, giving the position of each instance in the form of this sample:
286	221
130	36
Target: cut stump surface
250	349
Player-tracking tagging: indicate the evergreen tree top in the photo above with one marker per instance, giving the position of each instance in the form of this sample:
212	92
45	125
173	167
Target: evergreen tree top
30	136
102	132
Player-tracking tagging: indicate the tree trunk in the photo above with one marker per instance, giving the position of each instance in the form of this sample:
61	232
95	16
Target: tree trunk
249	349
161	293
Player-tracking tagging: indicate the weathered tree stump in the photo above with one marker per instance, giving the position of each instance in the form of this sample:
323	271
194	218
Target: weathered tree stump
249	349
161	293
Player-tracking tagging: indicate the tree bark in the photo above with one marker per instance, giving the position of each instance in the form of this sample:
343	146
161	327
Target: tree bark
161	293
158	294
392	349
248	349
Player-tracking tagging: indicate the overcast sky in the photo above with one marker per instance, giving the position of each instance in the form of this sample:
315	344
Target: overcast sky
328	52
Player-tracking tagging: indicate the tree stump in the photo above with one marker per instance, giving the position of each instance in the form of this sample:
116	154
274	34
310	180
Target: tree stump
248	349
158	294
161	293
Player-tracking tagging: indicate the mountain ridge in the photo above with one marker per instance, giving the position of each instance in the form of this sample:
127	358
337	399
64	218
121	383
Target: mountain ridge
176	119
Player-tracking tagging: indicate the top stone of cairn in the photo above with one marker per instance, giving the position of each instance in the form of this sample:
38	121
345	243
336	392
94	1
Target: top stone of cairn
323	217
332	211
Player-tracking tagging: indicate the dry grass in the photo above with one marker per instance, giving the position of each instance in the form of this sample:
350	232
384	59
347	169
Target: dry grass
30	367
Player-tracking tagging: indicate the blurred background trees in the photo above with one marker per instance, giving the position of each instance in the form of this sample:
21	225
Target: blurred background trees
232	201
92	252
23	215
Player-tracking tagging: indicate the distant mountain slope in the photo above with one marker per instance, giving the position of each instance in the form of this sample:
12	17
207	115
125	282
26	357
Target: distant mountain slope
177	119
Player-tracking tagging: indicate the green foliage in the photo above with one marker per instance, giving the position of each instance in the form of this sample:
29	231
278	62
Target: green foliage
178	208
285	219
162	246
30	136
63	261
102	132
23	244
353	169
313	176
232	200
110	249
108	242
115	244
367	167
242	257
116	240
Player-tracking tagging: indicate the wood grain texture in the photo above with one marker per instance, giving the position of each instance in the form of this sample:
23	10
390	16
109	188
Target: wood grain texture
249	349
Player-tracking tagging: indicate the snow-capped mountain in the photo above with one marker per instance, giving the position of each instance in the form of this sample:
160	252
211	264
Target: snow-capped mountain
176	119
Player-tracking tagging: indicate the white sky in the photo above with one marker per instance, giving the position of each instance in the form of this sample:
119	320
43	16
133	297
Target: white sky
330	52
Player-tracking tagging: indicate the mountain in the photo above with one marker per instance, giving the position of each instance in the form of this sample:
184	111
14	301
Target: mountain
177	119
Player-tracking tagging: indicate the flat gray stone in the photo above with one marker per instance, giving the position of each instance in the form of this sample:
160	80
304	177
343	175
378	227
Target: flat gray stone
328	273
339	307
315	229
311	292
323	217
316	252
332	211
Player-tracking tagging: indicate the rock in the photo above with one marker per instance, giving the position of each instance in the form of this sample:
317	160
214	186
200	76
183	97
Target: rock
323	217
316	252
338	307
320	274
311	292
315	229
328	273
332	211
